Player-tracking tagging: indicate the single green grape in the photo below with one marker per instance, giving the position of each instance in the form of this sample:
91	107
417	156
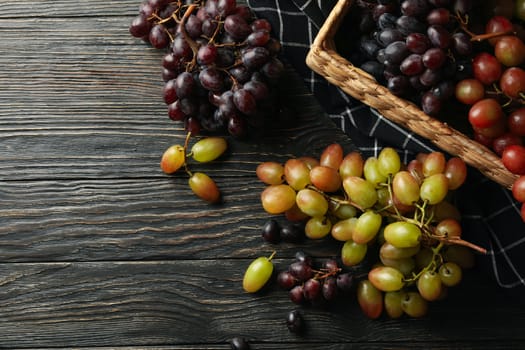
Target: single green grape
370	299
414	305
208	149
311	202
393	304
434	188
371	171
388	161
204	187
362	192
386	278
429	285
450	274
402	234
257	274
342	230
353	253
317	227
367	227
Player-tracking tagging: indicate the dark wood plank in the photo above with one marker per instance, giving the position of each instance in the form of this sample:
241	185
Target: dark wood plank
132	220
188	301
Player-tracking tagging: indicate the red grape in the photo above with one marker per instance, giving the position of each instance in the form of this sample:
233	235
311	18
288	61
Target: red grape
513	158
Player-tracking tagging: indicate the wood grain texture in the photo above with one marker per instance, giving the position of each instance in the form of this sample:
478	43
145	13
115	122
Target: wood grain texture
100	250
186	301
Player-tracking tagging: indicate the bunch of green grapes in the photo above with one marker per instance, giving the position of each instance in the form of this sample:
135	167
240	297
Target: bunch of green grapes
403	209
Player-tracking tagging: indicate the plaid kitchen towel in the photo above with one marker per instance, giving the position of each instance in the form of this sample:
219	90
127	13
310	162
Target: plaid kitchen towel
490	216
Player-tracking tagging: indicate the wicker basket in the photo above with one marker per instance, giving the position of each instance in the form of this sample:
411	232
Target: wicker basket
324	60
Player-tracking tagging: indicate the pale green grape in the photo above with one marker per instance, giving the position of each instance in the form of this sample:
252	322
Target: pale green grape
342	230
450	274
208	149
388	161
370	299
405	188
317	227
371	171
386	278
393	304
204	187
311	202
353	253
257	274
367	227
429	285
414	305
360	191
402	234
434	188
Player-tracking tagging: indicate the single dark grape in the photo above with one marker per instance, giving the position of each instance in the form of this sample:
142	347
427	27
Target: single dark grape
291	233
158	37
396	52
211	79
175	111
237	27
257	89
261	24
312	289
345	282
387	20
286	280
273	69
193	26
398	85
439	36
239	343
295	322
430	103
226	7
329	289
417	43
301	270
207	54
140	26
169	92
244	101
434	58
296	295
258	38
461	44
388	36
237	126
185	85
271	231
409	24
412	65
301	256
255	57
415	8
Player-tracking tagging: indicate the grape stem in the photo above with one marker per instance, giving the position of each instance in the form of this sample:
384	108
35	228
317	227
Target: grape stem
186	143
191	42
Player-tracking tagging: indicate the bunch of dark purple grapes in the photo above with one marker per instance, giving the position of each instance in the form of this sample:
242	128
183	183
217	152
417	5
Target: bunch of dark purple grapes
417	48
221	64
309	284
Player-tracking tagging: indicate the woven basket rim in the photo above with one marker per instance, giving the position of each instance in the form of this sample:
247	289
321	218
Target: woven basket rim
324	59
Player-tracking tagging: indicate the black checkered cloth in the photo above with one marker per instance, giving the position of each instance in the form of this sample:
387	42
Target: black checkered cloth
490	216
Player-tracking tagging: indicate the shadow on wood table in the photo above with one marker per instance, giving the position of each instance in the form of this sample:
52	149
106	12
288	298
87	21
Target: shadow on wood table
99	249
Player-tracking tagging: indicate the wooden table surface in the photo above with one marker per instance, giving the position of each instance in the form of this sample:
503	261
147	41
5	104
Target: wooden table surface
99	249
